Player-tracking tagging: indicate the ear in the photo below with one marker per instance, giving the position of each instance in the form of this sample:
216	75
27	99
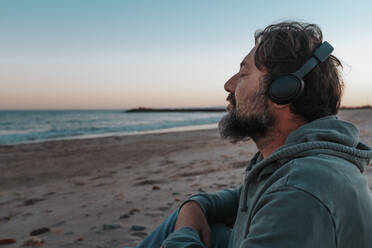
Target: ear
279	107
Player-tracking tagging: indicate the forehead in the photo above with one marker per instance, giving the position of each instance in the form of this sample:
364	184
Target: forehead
248	60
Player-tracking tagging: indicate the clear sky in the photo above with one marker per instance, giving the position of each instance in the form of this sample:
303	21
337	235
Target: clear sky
87	54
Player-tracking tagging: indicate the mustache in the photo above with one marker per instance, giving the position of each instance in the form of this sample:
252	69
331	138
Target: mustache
231	99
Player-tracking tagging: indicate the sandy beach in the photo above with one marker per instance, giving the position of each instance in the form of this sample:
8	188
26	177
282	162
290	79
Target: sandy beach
113	191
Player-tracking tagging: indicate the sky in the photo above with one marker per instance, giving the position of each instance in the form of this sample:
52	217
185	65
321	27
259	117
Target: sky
88	54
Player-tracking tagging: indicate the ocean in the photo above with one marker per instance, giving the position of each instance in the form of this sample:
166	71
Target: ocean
28	126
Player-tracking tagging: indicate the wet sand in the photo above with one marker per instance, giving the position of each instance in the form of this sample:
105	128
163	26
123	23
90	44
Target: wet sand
112	191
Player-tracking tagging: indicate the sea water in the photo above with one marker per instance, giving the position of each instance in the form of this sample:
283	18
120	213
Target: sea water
23	126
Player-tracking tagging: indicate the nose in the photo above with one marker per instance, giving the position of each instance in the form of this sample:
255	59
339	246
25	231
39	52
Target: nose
231	83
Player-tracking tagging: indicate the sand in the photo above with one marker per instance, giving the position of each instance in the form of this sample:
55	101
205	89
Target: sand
113	191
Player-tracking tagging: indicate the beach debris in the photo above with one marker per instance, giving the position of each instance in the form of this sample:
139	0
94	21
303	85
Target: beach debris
201	190
148	182
7	241
137	228
177	200
39	231
111	226
5	218
80	239
34	241
155	187
133	211
124	216
32	201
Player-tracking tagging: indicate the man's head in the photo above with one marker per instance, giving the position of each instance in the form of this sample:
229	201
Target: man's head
280	49
249	114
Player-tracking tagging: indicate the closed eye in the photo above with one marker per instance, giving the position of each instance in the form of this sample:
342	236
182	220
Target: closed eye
242	75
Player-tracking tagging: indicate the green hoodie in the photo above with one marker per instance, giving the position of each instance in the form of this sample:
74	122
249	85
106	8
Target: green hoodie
309	193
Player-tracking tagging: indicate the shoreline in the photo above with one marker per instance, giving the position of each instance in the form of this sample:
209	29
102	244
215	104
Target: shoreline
120	134
343	111
173	110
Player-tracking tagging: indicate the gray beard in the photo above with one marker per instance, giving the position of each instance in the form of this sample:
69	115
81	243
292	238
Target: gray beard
236	127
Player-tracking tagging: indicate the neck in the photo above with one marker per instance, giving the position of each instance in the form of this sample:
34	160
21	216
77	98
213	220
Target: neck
278	135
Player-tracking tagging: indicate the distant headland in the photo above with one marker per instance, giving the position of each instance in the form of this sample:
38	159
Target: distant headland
190	110
160	110
357	107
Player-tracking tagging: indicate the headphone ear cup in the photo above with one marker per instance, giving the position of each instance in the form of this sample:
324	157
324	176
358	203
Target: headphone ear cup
285	89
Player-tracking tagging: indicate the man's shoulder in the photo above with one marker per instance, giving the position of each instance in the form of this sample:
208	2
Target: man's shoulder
323	169
327	178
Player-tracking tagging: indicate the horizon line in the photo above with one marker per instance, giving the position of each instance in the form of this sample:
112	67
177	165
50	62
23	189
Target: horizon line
365	106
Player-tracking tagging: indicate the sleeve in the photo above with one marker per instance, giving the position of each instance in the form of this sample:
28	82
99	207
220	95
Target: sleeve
185	237
221	206
290	217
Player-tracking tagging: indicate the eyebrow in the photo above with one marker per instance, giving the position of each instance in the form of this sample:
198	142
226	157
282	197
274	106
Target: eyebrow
242	64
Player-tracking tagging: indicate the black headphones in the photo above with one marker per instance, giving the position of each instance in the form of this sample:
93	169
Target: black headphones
289	87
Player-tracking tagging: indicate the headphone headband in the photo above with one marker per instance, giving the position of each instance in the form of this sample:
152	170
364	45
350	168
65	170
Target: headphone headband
319	55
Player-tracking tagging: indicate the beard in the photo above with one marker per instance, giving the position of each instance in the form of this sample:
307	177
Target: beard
236	127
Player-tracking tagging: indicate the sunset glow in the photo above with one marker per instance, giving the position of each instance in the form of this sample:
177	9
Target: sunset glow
124	54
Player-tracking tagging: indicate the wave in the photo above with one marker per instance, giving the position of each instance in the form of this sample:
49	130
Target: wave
36	126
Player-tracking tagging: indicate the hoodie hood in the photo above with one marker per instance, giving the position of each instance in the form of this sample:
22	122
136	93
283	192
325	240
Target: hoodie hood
329	129
339	137
327	135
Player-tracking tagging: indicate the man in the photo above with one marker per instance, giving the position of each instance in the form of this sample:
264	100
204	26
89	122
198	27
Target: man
305	187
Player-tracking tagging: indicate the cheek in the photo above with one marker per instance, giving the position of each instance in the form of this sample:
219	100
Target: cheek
249	99
243	97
